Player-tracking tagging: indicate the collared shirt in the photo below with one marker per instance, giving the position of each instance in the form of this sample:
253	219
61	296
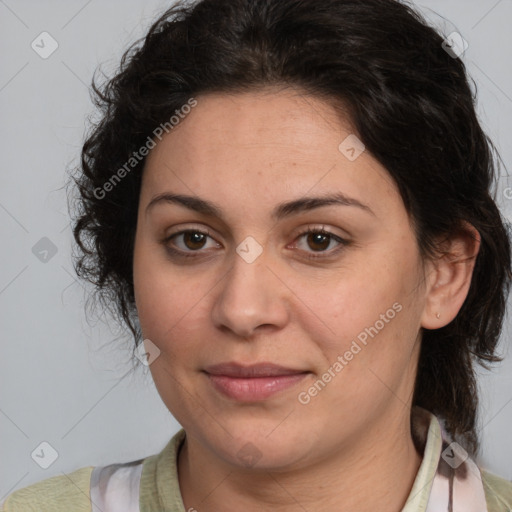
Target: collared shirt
447	481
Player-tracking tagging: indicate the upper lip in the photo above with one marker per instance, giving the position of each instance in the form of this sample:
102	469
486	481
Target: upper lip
253	370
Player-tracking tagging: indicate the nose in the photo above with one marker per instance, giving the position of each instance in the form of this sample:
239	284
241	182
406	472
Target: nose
251	299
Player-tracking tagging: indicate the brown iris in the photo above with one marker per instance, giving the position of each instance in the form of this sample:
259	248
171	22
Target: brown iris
318	241
194	240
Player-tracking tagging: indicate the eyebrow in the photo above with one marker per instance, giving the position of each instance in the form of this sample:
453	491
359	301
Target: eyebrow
282	211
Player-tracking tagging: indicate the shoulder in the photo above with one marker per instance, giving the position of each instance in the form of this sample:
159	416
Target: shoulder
122	485
498	492
64	493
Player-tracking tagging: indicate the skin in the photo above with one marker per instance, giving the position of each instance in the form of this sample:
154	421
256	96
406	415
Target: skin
350	447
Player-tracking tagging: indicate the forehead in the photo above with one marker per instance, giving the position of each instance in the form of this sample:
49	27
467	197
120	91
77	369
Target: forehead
271	143
284	119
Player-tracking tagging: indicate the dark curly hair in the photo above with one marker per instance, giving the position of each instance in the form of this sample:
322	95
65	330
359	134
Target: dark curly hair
409	100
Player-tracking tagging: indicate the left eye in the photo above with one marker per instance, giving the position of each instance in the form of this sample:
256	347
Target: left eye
319	241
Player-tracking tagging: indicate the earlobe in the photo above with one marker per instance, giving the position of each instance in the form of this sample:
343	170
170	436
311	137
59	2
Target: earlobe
451	277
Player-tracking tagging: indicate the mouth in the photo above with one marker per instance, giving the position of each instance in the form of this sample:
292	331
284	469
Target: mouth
252	383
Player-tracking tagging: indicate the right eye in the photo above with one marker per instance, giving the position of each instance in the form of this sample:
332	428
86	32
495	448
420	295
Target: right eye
187	242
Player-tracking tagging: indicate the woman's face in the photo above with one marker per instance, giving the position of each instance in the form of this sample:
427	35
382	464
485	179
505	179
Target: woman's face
226	277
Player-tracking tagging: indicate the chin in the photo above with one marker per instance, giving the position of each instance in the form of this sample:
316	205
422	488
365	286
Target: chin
268	447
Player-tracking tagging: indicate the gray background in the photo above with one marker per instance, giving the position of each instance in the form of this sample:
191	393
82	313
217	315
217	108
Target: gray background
68	381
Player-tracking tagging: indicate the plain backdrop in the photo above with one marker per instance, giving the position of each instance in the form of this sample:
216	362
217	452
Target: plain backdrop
66	381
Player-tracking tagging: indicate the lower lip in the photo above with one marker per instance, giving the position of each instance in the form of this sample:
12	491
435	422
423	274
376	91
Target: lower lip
253	389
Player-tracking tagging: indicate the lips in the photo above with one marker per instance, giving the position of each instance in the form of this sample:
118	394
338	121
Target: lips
254	382
254	370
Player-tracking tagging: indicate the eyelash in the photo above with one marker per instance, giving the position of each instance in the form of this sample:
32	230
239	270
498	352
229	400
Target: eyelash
310	231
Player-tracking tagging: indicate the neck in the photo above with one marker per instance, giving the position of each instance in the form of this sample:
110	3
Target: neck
375	471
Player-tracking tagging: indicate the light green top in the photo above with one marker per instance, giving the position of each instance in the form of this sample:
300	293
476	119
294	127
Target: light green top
160	492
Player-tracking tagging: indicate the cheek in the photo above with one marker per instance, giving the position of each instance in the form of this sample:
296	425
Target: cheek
373	303
170	317
167	297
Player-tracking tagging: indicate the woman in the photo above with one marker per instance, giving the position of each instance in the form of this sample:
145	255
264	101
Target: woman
289	202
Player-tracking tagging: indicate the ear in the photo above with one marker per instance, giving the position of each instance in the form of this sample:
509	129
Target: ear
449	277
